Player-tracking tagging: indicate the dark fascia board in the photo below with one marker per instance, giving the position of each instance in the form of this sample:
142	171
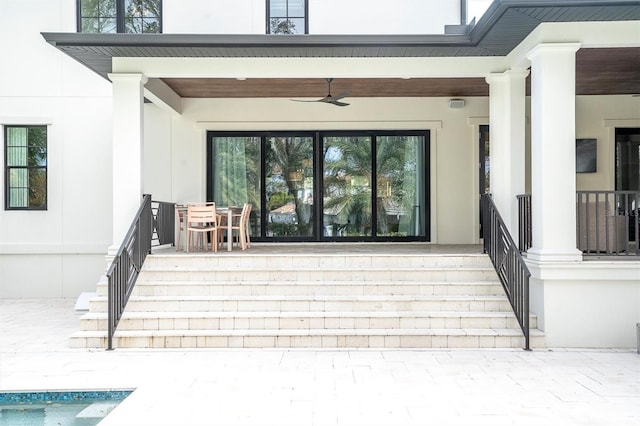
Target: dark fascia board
250	40
96	50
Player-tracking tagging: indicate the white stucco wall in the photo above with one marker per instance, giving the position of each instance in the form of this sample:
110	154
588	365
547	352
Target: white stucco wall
454	189
589	304
382	16
58	252
325	16
597	117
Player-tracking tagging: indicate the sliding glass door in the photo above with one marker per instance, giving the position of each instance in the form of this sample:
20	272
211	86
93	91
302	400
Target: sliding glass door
347	178
325	186
234	173
401	193
289	187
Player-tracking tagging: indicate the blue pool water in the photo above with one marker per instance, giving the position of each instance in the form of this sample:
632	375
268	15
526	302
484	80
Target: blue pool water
77	408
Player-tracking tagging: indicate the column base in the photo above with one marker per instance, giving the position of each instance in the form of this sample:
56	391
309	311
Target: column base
550	255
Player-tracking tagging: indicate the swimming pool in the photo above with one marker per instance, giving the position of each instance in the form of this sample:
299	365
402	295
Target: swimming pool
68	408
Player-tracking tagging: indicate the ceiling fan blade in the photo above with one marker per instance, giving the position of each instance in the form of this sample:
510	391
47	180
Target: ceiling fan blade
341	95
304	100
329	99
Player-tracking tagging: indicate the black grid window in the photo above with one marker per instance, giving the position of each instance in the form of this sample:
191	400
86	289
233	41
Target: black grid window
25	154
287	17
119	16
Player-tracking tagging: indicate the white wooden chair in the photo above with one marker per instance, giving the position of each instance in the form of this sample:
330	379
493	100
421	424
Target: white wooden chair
202	221
241	225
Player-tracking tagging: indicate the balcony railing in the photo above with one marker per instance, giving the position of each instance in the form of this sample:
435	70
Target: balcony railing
607	223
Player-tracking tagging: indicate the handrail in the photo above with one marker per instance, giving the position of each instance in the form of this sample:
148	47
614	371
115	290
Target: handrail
508	263
127	263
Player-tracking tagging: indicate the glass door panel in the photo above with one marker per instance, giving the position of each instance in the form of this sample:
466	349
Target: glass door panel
289	186
236	180
347	186
400	201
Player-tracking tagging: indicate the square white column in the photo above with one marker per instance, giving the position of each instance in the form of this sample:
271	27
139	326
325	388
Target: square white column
507	93
128	124
553	161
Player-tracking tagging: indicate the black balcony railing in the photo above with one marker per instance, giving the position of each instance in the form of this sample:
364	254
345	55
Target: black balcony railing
508	263
607	223
153	218
524	222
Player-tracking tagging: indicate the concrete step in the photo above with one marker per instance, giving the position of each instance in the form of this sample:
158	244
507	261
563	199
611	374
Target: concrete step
321	300
303	338
266	288
248	261
280	275
309	303
303	320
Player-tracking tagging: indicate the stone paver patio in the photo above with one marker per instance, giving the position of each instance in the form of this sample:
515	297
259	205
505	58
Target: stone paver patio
320	387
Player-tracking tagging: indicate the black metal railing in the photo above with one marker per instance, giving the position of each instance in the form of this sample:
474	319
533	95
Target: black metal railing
524	222
508	263
164	215
607	223
153	218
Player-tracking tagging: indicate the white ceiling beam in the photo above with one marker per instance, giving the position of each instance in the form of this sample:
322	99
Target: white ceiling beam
158	92
458	67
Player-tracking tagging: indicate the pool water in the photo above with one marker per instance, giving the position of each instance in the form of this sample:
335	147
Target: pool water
81	408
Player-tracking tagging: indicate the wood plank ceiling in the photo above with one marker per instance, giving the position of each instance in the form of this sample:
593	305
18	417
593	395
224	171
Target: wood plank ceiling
598	72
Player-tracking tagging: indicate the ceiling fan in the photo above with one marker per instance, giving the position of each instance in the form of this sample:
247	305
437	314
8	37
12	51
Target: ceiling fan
329	99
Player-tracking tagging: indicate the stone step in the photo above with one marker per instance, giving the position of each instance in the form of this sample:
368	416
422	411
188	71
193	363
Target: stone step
248	261
303	320
373	275
261	288
303	338
309	303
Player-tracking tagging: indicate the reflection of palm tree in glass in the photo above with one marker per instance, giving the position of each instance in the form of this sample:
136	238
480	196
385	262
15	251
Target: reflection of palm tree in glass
347	183
396	172
288	165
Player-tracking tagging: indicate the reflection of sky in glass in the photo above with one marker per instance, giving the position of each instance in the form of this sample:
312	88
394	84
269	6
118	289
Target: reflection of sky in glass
333	154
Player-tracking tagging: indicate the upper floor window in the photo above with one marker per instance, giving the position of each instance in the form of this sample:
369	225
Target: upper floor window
25	154
119	16
287	17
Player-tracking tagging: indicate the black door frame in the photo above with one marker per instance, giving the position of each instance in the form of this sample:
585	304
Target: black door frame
318	138
483	139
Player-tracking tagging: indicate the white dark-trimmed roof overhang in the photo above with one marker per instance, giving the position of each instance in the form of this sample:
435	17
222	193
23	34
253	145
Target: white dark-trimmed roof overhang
503	26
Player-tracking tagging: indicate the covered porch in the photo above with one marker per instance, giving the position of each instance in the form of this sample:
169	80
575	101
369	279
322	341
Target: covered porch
534	73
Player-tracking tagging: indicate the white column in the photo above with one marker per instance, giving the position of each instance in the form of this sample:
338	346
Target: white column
128	124
553	161
507	92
